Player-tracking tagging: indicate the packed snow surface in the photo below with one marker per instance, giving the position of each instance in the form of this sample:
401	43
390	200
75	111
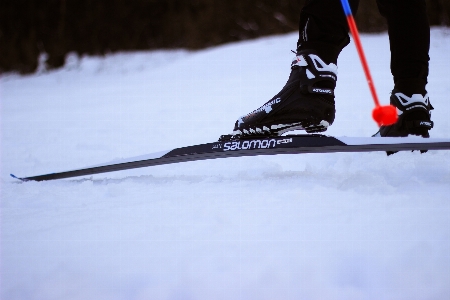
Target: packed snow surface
311	226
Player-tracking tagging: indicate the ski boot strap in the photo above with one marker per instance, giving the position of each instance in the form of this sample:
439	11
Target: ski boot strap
316	70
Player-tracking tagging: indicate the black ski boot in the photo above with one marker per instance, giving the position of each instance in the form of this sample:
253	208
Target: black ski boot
306	101
414	116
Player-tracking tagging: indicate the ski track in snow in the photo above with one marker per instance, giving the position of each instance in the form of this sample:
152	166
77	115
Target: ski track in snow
312	226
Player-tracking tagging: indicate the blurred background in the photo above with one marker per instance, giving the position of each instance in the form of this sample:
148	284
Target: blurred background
29	28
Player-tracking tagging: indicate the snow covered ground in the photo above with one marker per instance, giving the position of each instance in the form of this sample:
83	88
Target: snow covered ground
313	226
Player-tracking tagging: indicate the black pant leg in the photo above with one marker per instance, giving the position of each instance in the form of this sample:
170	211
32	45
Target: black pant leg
323	27
409	37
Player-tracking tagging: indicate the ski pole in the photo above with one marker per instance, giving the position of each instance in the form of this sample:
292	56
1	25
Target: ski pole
383	115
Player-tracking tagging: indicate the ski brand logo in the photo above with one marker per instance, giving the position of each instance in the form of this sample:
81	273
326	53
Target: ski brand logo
254	144
268	106
322	91
425	123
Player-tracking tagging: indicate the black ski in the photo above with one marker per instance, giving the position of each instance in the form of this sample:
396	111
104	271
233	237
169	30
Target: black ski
229	147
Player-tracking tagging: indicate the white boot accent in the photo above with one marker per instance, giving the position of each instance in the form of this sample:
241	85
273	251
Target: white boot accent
323	66
319	65
416	98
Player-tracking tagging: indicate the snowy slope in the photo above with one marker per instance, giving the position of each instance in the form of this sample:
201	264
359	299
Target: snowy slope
313	226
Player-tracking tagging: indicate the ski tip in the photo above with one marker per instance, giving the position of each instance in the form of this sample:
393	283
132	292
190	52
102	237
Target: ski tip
15	177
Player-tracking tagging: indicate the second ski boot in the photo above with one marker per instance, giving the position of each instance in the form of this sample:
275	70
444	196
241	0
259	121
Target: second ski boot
414	116
306	102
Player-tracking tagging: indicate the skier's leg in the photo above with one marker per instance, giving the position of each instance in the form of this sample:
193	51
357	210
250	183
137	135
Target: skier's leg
307	100
323	27
409	37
